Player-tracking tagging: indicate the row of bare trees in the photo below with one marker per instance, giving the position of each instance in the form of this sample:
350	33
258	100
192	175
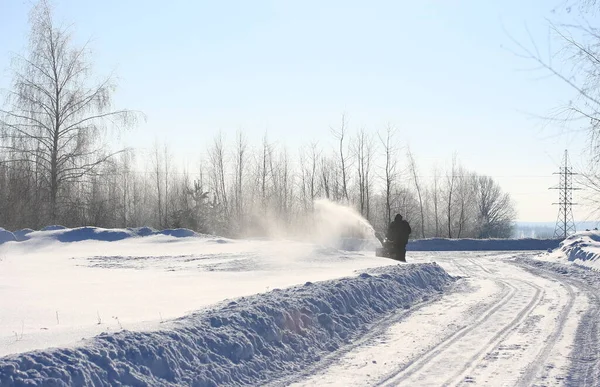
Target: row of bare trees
238	189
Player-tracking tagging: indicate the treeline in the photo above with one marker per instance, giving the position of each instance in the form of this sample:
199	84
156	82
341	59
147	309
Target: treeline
262	190
55	167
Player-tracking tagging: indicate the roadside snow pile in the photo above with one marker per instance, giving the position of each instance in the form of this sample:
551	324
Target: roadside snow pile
582	248
591	277
443	244
63	234
251	340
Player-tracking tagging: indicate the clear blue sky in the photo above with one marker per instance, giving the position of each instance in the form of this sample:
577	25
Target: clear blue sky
439	71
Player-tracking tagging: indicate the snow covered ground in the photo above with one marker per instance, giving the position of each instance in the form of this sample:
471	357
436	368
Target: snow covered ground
187	311
54	293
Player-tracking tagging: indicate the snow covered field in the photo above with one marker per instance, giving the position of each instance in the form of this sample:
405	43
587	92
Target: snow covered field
54	293
186	311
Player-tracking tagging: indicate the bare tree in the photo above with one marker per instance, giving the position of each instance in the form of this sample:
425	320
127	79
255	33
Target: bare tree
167	170
466	184
574	59
303	177
364	155
313	186
265	177
340	135
217	177
436	200
126	183
590	182
158	179
413	171
54	114
240	158
495	210
326	170
450	185
390	171
284	179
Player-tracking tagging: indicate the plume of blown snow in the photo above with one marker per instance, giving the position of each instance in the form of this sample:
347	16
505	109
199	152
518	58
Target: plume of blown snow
327	223
335	223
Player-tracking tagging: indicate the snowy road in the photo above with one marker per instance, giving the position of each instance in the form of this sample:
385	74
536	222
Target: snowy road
504	325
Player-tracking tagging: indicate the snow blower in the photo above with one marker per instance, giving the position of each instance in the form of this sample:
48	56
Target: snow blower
386	251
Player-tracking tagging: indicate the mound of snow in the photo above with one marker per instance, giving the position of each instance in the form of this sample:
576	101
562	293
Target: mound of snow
582	248
444	244
251	340
21	235
143	231
179	232
92	233
63	234
53	228
6	236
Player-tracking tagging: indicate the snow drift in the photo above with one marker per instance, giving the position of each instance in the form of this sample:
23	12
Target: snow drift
443	244
63	234
6	236
250	340
582	248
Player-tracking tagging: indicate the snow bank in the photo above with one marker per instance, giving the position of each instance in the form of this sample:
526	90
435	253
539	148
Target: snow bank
443	244
6	236
179	233
582	248
591	277
143	231
53	228
92	233
21	235
63	234
247	341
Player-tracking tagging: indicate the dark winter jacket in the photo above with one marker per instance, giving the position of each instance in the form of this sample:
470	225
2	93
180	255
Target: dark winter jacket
399	231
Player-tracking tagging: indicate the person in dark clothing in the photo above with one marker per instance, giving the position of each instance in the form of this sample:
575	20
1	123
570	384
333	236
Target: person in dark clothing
397	234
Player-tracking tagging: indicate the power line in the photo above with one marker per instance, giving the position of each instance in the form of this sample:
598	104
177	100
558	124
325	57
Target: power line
565	225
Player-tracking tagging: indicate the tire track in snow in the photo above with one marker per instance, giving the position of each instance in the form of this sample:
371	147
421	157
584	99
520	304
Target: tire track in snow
373	332
540	360
412	368
460	267
525	340
472	363
588	342
585	360
483	268
415	366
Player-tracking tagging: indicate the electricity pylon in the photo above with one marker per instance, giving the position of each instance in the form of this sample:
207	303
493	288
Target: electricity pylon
565	225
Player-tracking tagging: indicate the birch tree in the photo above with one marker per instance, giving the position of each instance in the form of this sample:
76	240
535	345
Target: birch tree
55	114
